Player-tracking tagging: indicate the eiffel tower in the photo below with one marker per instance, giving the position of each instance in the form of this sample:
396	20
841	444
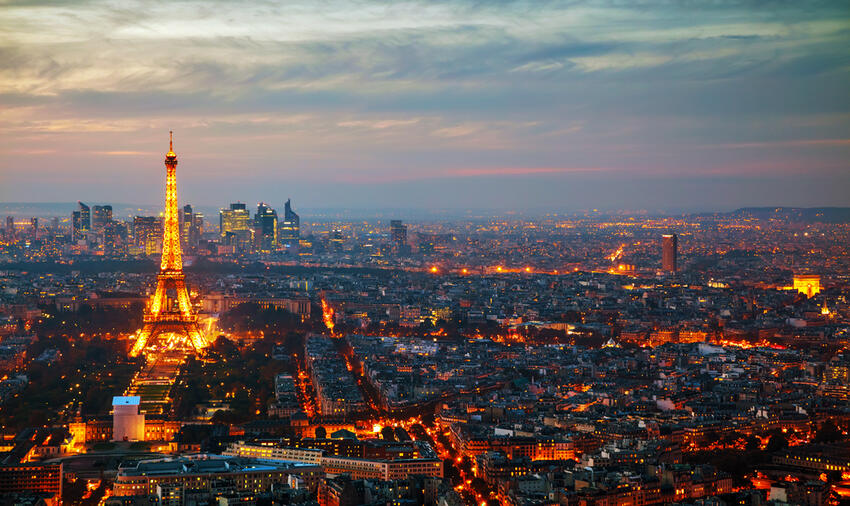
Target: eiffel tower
168	315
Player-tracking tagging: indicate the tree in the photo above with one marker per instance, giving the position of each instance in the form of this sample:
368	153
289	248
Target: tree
321	433
828	432
753	443
480	486
776	442
388	434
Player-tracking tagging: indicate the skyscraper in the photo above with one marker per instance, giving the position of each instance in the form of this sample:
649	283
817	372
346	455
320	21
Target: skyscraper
669	252
101	216
234	220
81	221
186	220
85	216
265	227
191	227
398	235
290	228
147	233
10	228
115	237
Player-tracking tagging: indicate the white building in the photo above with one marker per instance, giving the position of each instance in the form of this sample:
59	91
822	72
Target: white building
127	423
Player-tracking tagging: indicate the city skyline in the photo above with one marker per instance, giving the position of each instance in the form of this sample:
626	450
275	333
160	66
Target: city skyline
453	105
437	253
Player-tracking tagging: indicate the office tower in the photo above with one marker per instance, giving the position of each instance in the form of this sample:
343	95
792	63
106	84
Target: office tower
265	227
191	227
101	216
54	224
147	233
198	227
115	238
290	228
336	239
669	253
10	228
34	227
187	219
234	220
76	220
80	221
235	227
398	234
85	217
170	311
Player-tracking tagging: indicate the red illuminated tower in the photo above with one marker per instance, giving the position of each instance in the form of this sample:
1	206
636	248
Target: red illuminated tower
169	316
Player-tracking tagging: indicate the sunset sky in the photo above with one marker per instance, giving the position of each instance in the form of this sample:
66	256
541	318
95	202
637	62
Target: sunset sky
457	104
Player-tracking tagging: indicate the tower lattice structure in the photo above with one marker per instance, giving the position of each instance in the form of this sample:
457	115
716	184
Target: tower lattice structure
169	312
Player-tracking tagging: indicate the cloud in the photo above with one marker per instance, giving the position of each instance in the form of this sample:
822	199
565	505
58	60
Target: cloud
517	171
438	88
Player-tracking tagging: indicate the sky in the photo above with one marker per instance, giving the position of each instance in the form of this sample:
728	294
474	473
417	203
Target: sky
538	105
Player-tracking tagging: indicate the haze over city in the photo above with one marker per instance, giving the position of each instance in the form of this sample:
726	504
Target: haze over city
489	105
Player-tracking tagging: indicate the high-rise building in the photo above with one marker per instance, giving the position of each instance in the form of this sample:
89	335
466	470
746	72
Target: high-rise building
100	217
85	216
198	227
265	227
191	227
187	218
398	234
234	220
76	219
10	228
290	228
81	221
115	237
669	252
234	225
147	234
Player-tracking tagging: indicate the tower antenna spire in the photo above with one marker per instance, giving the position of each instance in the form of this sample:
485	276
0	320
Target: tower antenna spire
171	140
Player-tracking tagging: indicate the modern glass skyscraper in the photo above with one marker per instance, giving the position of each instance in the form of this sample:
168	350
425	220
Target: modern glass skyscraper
290	228
147	233
234	220
398	235
101	216
191	228
81	221
265	227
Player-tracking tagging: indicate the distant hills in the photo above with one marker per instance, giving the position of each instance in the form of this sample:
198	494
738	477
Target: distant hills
796	214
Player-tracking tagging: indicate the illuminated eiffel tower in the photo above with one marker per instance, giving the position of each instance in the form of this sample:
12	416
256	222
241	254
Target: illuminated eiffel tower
169	315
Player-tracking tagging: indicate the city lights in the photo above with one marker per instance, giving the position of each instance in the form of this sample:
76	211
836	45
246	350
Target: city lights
425	253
